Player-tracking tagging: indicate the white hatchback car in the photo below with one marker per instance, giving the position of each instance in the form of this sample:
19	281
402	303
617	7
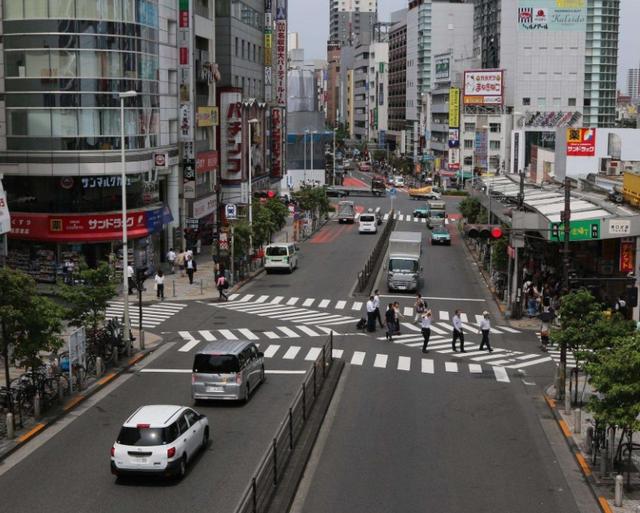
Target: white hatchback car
159	439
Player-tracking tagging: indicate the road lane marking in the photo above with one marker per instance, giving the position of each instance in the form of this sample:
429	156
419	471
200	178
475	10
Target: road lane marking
313	354
270	351
233	296
443	315
191	343
261	299
246	298
285	372
166	371
475	368
457	299
308	302
450	366
337	353
427	366
248	334
291	353
340	305
308	331
207	335
404	363
531	362
271	334
276	300
288	332
357	305
501	374
407	311
464	318
292	301
324	303
229	335
357	358
381	361
31	433
583	463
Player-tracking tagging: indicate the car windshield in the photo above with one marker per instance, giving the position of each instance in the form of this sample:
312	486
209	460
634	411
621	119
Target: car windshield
276	251
399	265
440	231
145	437
438	214
215	364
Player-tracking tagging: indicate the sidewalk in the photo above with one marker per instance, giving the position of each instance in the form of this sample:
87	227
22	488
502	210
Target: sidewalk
601	485
31	427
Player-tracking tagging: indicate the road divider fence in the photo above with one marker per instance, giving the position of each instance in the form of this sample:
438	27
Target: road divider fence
266	478
375	259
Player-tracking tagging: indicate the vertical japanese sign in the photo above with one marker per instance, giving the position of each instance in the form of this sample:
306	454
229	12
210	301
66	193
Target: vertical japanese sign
627	255
276	142
5	218
185	83
268	51
281	62
454	107
231	136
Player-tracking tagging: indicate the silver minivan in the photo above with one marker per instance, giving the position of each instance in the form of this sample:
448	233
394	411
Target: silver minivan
227	369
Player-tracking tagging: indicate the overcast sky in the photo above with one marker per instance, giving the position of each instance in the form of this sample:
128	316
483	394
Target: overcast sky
311	19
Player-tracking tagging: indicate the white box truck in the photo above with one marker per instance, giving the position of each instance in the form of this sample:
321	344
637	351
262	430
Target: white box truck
346	212
403	263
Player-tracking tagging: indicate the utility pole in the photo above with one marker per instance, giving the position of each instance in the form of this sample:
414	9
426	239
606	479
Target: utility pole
516	302
566	220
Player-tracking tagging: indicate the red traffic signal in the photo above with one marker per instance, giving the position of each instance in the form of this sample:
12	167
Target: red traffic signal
483	231
271	194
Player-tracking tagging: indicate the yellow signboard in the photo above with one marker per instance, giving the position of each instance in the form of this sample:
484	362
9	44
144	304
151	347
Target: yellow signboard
268	61
207	116
268	40
454	107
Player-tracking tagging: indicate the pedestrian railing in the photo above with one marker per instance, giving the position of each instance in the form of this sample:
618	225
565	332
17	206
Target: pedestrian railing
373	264
267	476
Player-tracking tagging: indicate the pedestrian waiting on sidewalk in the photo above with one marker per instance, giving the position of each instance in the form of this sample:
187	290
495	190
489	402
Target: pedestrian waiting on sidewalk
159	279
485	328
191	267
425	324
130	281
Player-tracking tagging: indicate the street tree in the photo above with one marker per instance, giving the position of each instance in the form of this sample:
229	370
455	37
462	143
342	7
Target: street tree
88	299
263	224
313	199
29	323
471	209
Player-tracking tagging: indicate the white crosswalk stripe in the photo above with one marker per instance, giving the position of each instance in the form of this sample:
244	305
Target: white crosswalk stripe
288	332
357	305
207	335
404	363
313	354
475	368
152	315
228	334
308	302
380	361
427	366
443	315
271	351
340	305
501	374
262	299
324	303
248	334
450	366
291	352
357	358
292	301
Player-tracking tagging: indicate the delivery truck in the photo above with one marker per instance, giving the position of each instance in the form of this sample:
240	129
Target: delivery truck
403	261
346	212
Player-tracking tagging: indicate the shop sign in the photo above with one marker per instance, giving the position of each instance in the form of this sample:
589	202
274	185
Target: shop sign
587	229
207	116
454	159
191	223
552	15
206	161
204	207
231	136
454	107
185	70
5	217
281	62
276	142
619	227
483	87
627	255
97	227
581	142
454	138
223	242
442	64
66	182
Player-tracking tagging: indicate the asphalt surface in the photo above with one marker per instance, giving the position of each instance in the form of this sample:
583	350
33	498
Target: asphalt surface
407	435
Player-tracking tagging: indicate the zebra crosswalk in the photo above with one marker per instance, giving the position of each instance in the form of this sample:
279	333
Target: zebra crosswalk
316	312
152	315
409	218
506	358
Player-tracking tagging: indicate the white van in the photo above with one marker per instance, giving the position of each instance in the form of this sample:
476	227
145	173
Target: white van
368	223
280	256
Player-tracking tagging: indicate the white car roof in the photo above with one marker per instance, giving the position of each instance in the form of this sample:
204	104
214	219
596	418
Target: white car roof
156	415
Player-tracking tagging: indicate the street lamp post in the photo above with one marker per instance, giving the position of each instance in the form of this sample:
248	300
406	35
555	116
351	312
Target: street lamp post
305	154
333	180
251	122
312	134
126	339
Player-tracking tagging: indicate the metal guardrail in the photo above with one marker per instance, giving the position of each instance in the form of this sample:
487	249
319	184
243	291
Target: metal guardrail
264	482
372	264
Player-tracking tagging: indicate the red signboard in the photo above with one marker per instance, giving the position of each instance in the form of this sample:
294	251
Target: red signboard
78	227
581	142
184	56
276	142
231	136
627	255
206	161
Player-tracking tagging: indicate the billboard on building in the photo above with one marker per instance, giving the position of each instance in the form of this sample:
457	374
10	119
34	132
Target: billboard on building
454	107
277	142
581	142
281	62
442	65
552	15
453	159
454	138
231	135
207	116
484	87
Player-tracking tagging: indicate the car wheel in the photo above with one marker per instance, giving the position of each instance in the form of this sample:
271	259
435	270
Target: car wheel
182	469
247	392
263	376
205	439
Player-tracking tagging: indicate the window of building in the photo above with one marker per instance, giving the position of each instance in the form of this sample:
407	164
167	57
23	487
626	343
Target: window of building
468	161
572	102
494	145
254	53
557	102
468	144
469	127
495	128
243	48
526	101
237	46
542	102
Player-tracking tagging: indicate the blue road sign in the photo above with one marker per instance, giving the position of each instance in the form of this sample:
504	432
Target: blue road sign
231	211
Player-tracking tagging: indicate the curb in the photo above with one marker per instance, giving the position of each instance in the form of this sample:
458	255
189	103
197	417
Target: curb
585	468
72	403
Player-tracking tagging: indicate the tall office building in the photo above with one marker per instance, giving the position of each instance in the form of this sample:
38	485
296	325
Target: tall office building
633	83
351	22
64	64
398	78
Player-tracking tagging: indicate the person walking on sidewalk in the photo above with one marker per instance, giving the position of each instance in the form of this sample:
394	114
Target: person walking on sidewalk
171	258
191	267
390	319
180	260
419	307
371	315
425	323
376	304
221	285
457	332
130	281
485	327
159	279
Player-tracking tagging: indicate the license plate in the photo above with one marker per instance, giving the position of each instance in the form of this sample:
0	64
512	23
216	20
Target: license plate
215	389
142	461
401	287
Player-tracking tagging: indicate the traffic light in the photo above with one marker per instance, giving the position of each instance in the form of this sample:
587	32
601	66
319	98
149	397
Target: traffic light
555	231
483	231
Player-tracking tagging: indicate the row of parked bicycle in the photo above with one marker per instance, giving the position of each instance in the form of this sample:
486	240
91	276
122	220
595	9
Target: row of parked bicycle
56	378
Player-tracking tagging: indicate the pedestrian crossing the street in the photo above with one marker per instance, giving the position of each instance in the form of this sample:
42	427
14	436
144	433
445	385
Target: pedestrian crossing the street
314	311
152	315
375	359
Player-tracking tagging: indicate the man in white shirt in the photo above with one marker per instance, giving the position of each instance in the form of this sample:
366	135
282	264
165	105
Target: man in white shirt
376	304
457	332
130	280
371	315
171	258
485	327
